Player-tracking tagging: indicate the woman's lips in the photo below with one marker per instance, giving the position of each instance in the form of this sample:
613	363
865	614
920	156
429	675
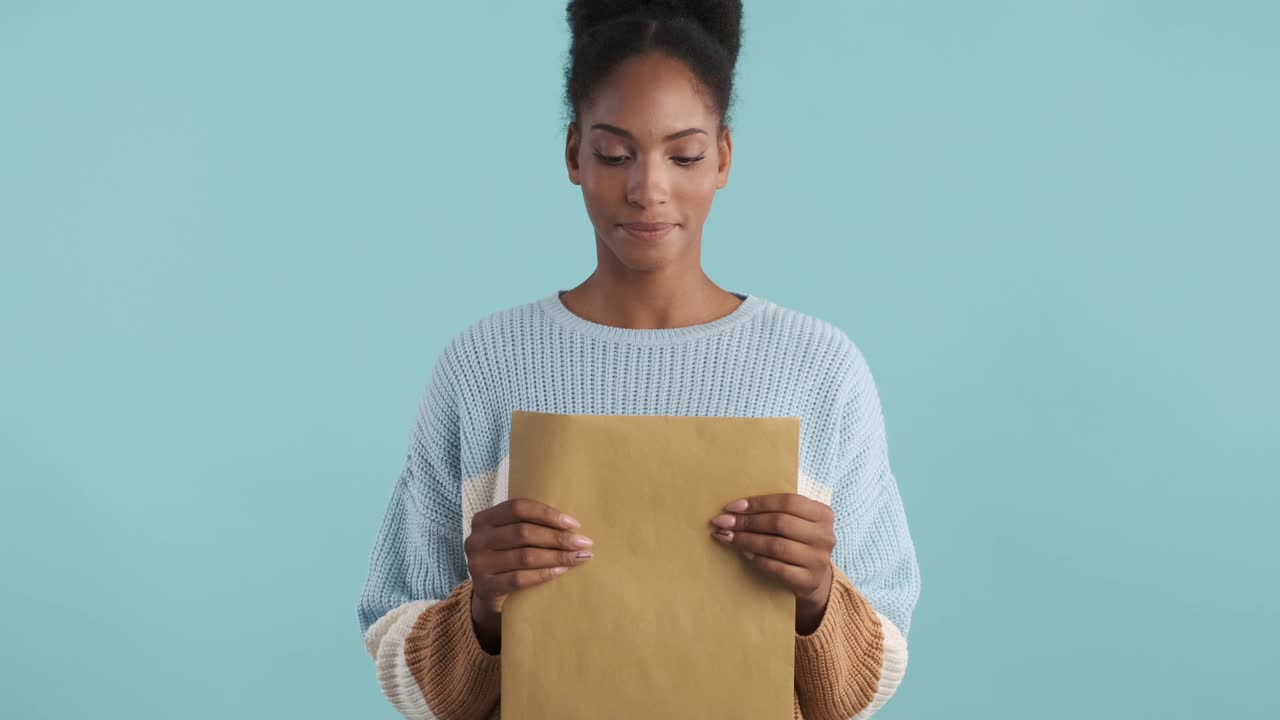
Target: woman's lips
648	231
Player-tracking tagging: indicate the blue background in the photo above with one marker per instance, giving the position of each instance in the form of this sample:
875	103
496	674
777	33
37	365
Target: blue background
235	235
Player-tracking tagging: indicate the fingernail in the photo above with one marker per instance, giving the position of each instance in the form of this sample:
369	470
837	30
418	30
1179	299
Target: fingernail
750	555
584	555
724	534
736	506
724	521
558	570
582	541
569	520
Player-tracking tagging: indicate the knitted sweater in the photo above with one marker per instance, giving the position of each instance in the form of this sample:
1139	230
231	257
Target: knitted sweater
760	360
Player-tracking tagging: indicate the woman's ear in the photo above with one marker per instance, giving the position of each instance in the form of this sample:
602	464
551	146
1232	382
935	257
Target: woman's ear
726	159
572	143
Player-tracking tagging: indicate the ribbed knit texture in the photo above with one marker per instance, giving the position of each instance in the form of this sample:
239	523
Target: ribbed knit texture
760	360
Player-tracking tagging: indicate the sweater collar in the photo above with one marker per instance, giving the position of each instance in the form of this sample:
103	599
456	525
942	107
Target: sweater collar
558	312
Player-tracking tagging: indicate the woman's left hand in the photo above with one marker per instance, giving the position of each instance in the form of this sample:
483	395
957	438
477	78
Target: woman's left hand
790	537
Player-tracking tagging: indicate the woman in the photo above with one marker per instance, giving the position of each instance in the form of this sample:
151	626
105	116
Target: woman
648	90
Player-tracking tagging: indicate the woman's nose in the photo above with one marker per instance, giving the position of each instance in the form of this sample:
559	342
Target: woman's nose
647	186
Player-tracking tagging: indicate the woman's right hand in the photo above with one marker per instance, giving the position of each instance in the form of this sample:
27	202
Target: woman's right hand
513	545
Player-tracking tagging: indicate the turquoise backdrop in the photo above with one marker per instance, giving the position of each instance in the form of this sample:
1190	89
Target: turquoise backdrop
234	236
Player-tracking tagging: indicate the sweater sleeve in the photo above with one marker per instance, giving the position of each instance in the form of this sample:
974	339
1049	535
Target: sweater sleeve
415	608
854	661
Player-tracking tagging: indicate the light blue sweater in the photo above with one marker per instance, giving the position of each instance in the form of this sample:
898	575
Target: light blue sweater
761	360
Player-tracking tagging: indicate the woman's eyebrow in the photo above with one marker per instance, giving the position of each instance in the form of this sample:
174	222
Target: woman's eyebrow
619	131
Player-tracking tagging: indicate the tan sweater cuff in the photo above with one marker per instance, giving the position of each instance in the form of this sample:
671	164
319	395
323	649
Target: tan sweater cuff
458	678
838	665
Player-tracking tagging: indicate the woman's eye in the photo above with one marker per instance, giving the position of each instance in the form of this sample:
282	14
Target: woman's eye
611	159
682	161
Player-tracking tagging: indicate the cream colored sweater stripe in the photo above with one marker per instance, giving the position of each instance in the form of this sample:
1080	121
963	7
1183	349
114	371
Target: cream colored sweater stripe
892	667
384	642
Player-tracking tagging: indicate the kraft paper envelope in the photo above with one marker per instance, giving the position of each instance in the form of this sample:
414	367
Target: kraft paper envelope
665	621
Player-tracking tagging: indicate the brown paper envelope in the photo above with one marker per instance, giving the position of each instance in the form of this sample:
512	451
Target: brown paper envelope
665	621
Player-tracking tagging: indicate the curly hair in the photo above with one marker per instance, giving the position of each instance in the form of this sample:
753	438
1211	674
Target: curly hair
704	34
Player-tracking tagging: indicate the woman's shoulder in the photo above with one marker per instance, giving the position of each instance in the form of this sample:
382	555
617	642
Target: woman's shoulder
492	329
827	343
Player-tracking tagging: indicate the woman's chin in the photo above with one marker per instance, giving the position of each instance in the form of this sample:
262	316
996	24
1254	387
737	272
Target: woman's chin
643	259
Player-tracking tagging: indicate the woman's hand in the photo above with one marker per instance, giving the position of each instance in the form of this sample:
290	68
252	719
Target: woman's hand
513	545
790	537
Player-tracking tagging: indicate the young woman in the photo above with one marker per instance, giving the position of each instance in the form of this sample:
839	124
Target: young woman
648	89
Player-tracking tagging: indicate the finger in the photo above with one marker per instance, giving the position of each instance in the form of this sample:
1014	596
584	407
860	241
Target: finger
789	503
528	558
798	579
510	582
525	510
774	546
775	523
526	534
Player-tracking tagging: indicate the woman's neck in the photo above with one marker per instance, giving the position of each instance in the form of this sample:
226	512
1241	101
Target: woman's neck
650	304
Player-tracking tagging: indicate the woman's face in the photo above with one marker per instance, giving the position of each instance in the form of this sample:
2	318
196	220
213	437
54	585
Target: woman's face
646	152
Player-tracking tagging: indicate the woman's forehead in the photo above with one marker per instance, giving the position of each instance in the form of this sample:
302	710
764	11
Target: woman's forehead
651	97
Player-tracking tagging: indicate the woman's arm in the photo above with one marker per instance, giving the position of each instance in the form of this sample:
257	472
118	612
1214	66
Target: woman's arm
415	609
853	662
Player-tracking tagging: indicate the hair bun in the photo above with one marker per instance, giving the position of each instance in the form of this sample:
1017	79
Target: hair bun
721	19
